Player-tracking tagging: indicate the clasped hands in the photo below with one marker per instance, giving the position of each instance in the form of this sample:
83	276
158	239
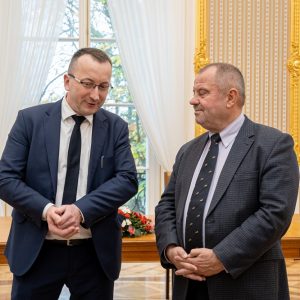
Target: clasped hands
64	220
197	265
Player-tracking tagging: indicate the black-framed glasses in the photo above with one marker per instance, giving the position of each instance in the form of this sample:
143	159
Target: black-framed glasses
90	85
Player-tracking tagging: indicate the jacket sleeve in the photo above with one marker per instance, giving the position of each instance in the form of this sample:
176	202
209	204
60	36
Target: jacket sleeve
13	188
276	198
165	215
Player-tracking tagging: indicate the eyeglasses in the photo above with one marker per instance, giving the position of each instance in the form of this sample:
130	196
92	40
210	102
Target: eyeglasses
90	85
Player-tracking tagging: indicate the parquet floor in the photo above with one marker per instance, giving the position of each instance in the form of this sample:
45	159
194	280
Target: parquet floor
147	281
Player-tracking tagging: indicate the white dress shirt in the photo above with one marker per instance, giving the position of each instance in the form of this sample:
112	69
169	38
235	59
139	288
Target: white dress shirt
228	136
66	127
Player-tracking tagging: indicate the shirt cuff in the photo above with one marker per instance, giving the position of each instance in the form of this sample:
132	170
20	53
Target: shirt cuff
82	221
165	253
44	215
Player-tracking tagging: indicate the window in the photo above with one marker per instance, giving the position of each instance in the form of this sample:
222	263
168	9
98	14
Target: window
88	24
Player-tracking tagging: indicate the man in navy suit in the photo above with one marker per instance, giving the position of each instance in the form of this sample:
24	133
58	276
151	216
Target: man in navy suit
77	244
221	230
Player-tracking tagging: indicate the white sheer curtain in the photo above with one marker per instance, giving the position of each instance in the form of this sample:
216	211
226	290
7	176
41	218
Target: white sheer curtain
150	37
29	30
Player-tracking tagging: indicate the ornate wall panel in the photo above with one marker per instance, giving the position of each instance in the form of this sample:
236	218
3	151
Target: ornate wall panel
262	38
294	69
201	40
253	35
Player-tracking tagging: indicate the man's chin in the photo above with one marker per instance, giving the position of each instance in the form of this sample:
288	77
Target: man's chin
202	123
199	121
90	110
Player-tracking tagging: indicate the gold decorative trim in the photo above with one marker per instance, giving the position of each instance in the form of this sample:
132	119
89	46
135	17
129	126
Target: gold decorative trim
201	56
293	66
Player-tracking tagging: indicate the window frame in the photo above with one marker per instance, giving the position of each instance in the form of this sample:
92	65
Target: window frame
152	168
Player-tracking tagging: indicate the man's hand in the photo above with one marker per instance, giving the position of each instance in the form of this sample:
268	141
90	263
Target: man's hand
206	262
64	220
178	257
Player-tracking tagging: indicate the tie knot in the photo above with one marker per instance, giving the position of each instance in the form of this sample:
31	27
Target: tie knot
216	138
78	119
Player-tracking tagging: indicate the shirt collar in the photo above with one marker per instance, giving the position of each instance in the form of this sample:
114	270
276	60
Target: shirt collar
229	133
67	112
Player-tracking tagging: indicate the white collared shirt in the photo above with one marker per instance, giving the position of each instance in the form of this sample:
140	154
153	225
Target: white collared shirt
66	127
228	136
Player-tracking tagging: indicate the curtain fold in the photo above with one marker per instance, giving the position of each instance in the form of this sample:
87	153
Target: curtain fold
29	31
150	38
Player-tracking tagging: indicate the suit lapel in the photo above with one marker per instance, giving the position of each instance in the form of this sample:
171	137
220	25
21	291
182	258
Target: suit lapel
190	163
240	148
52	139
100	127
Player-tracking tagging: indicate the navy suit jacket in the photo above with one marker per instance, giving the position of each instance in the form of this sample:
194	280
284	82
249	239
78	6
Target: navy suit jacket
251	209
28	182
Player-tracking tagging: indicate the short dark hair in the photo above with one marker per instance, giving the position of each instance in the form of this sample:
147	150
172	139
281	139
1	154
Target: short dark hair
97	54
227	76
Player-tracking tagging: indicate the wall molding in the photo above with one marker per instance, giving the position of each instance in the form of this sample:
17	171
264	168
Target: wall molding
201	37
293	66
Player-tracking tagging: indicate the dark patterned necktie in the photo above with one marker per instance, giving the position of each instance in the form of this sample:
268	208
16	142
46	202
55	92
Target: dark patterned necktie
73	162
194	219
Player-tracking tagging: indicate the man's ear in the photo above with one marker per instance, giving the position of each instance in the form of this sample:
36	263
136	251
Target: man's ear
232	97
67	82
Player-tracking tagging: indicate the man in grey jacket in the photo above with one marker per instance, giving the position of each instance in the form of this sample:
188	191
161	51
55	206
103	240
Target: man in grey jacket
229	200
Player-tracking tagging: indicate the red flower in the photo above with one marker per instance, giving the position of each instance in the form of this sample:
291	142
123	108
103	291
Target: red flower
131	230
134	223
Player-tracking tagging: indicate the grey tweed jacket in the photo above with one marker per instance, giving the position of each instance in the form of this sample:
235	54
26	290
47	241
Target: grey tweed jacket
251	209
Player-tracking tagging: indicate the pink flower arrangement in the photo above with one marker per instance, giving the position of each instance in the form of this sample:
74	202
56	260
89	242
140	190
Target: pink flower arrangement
134	223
